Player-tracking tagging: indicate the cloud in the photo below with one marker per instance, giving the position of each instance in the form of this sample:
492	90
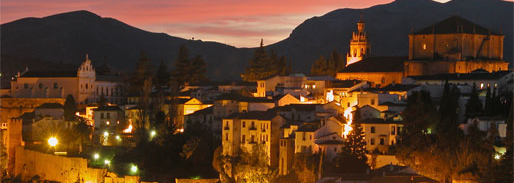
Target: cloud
235	22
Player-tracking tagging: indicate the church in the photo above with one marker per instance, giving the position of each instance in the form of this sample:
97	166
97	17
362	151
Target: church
86	84
453	45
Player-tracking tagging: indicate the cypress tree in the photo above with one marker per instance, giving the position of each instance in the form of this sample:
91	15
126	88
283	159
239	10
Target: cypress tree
182	71
474	105
163	76
352	158
319	67
199	69
70	107
488	109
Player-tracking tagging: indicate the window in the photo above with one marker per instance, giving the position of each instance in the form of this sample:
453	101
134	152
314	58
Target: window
244	124
372	129
226	136
424	46
383	81
55	86
252	138
393	130
335	149
101	115
87	86
372	101
108	115
40	85
348	105
26	85
381	141
243	139
372	141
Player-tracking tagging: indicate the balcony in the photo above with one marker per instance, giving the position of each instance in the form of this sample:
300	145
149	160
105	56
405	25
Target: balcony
252	128
226	128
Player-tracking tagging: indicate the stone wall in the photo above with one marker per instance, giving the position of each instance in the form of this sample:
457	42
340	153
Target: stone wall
197	180
15	107
62	169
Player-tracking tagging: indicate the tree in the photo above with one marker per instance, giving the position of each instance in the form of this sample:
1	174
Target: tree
448	154
330	66
319	67
488	108
143	72
474	105
70	107
449	111
352	158
83	130
188	70
264	65
162	76
199	69
246	166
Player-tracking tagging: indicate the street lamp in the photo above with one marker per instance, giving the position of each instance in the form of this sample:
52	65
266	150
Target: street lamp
133	169
153	133
52	141
107	162
96	156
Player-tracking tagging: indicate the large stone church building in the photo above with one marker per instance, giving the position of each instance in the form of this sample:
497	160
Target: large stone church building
453	45
86	84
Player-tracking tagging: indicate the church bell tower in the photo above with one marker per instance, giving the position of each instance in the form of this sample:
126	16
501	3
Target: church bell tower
359	45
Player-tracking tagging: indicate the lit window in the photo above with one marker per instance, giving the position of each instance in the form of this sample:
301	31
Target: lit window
372	129
481	85
314	86
424	46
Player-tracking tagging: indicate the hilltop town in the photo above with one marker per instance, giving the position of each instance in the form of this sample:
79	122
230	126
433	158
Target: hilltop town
441	113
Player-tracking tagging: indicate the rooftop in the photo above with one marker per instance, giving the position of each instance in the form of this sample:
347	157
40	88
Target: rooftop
50	106
49	74
467	76
455	24
379	121
108	108
258	115
377	64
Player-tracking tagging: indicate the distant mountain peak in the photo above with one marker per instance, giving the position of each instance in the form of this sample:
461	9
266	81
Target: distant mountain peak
75	14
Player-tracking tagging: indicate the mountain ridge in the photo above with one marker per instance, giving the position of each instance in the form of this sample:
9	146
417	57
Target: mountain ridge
62	40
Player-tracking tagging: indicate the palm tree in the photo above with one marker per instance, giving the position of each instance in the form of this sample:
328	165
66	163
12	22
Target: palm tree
83	130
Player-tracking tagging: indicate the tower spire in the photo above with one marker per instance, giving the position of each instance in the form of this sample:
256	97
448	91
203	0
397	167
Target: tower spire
262	42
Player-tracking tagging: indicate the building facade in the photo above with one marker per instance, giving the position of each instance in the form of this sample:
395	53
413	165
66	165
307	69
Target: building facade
85	85
359	45
454	45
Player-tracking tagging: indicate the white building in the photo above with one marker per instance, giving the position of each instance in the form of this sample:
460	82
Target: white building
85	85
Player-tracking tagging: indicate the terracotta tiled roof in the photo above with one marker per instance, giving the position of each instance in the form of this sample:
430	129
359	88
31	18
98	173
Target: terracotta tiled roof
455	24
377	64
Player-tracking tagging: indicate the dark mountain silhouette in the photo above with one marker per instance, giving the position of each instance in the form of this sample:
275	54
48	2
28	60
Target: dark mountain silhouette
62	40
388	27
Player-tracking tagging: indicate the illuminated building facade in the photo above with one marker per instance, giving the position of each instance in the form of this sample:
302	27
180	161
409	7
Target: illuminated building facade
359	45
454	45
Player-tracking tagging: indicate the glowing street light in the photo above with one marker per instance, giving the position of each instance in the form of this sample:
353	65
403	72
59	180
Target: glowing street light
133	168
107	162
118	137
497	156
153	133
96	156
106	134
52	141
